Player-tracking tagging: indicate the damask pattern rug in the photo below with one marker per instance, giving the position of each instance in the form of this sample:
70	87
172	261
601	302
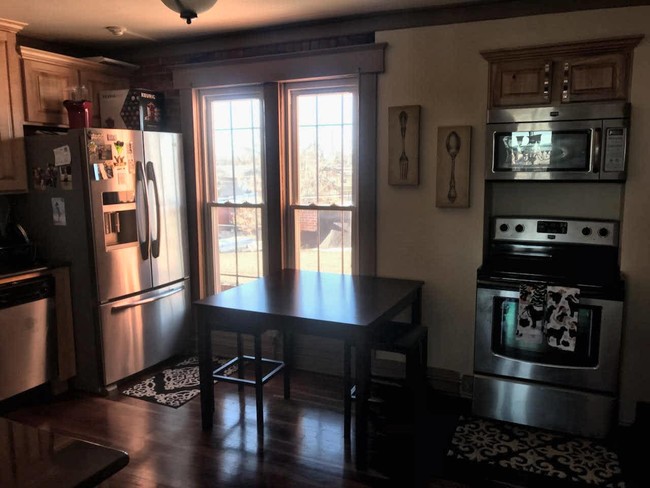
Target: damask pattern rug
173	386
560	459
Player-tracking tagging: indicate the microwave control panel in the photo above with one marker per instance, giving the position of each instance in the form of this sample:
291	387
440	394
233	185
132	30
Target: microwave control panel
615	143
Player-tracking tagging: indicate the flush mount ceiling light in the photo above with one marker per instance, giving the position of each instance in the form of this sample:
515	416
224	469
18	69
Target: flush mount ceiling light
116	30
189	9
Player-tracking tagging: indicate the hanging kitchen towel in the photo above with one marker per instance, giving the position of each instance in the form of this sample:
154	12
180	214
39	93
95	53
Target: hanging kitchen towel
531	313
561	319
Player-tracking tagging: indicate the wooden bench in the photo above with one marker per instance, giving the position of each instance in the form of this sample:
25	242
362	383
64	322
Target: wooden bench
407	339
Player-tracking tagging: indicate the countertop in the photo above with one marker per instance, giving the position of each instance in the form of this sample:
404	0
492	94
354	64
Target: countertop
34	457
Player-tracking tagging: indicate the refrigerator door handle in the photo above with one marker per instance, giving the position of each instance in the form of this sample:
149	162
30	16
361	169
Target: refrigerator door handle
151	179
144	301
142	209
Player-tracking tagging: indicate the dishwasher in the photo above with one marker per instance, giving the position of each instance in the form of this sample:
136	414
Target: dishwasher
26	332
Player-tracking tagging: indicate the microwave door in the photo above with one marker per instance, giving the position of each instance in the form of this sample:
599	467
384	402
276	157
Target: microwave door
544	151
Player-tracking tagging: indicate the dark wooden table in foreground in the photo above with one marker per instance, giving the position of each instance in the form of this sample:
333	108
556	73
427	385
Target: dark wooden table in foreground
332	305
35	457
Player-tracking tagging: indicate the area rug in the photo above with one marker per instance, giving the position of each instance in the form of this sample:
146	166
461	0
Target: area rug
558	458
173	386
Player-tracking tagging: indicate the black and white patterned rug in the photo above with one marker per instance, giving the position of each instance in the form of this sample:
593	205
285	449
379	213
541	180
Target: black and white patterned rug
173	386
538	452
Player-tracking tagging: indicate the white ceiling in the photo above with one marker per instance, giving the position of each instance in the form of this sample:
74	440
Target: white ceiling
84	22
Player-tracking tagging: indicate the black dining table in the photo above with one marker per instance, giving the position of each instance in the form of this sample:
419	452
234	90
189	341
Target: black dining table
340	306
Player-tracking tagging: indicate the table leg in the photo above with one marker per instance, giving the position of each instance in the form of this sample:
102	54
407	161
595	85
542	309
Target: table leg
259	386
416	308
240	362
362	353
347	386
205	369
287	357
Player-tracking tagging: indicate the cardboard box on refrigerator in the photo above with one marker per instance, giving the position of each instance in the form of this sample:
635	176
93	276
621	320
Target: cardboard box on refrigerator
136	109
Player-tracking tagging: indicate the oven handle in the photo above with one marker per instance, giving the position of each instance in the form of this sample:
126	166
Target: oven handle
495	284
598	141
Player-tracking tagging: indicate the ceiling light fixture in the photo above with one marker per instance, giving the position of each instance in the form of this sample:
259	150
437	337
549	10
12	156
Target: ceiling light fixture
189	9
116	30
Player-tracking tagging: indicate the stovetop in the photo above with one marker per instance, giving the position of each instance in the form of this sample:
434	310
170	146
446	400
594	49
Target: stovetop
554	251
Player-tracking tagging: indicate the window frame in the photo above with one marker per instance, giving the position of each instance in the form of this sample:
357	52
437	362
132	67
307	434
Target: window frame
210	196
290	91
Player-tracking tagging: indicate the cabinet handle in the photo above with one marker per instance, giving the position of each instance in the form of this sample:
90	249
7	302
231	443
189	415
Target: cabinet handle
565	84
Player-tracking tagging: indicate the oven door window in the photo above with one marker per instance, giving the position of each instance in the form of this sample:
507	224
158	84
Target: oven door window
543	150
506	343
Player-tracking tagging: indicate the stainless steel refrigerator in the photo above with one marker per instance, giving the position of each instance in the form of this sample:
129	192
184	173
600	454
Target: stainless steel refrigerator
111	203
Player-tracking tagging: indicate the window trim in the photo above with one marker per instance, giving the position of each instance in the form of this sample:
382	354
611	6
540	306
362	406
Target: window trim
209	195
290	91
365	61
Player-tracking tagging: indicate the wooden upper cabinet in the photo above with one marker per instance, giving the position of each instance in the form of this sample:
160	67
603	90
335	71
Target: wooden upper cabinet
526	82
561	73
593	78
46	86
49	79
13	172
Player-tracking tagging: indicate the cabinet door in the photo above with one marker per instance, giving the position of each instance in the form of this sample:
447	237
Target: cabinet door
521	82
46	86
13	176
96	82
592	78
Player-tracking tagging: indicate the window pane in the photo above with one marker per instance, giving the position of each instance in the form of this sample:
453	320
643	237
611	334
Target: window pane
330	171
307	165
306	110
237	151
330	109
323	240
238	244
325	153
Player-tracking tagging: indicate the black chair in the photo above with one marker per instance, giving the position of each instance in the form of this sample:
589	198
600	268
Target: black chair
407	339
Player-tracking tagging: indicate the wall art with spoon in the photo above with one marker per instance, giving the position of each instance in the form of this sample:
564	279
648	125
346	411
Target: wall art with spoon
452	175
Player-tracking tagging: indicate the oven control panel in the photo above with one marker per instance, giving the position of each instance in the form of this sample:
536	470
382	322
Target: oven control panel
554	230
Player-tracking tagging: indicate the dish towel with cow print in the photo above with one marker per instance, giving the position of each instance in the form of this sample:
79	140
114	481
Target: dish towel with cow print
530	317
561	318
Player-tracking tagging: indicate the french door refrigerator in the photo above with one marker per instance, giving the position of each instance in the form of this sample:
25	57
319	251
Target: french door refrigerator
111	204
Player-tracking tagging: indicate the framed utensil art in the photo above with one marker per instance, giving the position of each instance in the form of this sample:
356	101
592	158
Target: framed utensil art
452	175
403	145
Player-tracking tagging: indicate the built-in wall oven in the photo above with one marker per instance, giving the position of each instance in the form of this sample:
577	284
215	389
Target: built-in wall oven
549	307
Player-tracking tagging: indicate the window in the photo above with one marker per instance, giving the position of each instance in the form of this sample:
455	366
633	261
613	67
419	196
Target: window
255	220
322	129
234	186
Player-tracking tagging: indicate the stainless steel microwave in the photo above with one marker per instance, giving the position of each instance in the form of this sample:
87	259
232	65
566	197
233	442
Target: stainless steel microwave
573	142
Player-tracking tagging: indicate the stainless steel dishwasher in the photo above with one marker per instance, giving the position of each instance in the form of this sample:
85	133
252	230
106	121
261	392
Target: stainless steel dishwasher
26	323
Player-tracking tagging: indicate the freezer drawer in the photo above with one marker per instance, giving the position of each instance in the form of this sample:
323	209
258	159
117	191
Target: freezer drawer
143	330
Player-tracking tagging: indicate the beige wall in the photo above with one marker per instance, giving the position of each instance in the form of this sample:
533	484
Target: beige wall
440	69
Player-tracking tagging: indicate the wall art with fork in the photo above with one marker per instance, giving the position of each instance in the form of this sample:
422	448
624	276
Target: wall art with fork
452	175
403	145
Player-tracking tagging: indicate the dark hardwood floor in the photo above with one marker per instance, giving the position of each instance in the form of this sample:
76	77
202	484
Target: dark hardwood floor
303	443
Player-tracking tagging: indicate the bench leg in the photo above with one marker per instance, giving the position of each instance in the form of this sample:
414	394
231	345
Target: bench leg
287	357
347	387
240	361
259	386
